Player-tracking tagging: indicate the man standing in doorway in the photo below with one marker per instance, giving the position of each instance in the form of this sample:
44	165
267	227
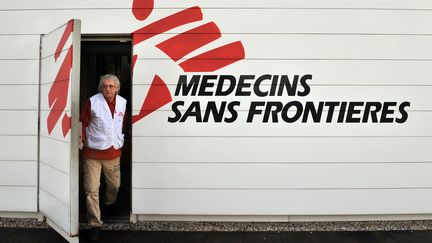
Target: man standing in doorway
102	119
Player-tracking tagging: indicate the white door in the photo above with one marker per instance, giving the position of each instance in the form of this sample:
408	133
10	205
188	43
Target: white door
60	128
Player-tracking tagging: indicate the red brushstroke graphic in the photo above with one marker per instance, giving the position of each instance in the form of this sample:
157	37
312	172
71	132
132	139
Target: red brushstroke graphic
168	23
180	45
157	96
58	94
67	32
215	59
141	9
134	59
66	124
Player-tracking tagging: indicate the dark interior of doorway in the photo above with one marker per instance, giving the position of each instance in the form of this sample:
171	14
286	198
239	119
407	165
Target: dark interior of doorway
99	58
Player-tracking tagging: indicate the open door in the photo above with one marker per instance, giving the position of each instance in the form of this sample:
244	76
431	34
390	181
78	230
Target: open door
100	55
60	128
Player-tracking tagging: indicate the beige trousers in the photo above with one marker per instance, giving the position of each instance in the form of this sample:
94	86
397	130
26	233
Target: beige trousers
92	172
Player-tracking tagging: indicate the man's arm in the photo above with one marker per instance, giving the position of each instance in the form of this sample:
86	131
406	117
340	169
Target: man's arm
85	118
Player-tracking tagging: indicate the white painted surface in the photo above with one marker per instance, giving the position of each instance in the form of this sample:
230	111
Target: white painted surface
392	4
38	22
281	202
55	153
418	96
19	56
55	181
278	218
283	150
75	133
18	199
301	168
19	122
388	217
210	218
18	173
50	43
325	72
34	215
13	147
53	4
156	124
48	77
281	176
314	20
54	209
58	156
20	71
304	46
19	46
382	4
28	97
280	37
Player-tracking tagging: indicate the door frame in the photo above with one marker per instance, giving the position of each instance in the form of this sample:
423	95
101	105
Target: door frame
122	38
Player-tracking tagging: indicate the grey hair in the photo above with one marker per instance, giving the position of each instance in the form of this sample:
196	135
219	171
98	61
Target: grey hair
108	77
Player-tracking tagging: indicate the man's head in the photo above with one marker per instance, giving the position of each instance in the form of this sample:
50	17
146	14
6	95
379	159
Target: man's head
109	86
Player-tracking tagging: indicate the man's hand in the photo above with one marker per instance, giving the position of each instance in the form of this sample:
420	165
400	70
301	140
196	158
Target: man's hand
81	138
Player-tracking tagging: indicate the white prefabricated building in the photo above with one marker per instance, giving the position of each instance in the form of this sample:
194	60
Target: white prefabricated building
275	110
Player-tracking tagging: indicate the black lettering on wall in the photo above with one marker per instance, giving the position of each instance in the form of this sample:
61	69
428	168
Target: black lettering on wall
177	113
404	113
185	87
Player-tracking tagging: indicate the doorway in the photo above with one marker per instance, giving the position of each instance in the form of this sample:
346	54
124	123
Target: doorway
99	56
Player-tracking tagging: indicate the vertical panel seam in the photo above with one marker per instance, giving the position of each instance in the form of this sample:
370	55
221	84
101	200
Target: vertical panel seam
38	121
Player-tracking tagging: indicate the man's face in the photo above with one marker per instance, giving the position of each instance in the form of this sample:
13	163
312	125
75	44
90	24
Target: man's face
109	89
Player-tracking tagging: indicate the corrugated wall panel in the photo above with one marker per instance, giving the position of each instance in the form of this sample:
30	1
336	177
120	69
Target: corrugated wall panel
12	147
365	21
19	47
418	96
19	122
382	4
27	100
354	53
55	209
356	50
284	150
282	202
18	173
18	199
19	59
49	175
157	125
20	71
316	47
266	175
379	72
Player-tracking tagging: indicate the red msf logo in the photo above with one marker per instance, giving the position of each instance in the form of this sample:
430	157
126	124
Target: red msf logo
175	47
178	47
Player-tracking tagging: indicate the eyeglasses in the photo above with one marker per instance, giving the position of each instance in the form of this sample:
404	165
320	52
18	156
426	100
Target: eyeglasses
110	86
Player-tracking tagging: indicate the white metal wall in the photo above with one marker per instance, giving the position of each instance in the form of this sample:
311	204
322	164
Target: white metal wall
19	61
369	52
58	165
356	50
